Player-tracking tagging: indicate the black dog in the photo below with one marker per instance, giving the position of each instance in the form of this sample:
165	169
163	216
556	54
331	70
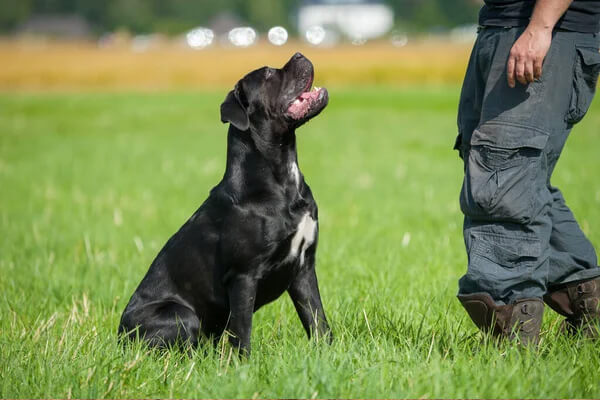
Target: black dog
254	237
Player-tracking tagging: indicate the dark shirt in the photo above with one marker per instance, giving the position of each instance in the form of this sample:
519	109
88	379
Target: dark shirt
582	15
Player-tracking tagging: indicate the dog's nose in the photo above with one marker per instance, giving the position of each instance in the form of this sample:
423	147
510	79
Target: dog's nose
297	56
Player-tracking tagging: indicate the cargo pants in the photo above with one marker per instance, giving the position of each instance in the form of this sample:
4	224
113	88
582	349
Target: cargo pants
520	236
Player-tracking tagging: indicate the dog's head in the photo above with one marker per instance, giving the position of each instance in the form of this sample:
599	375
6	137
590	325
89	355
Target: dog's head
272	102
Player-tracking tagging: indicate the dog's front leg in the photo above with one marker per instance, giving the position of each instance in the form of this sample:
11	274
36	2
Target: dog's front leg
305	295
242	294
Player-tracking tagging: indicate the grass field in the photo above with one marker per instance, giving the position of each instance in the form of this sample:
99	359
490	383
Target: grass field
93	184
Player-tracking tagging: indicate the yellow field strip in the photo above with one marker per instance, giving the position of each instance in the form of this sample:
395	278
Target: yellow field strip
59	65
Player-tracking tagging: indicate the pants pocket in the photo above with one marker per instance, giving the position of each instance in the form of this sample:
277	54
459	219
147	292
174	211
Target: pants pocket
498	264
505	250
585	80
500	176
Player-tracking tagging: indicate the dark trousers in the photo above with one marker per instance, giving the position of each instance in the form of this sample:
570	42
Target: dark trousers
520	236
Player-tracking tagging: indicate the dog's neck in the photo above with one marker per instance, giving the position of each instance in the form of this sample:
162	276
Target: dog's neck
267	161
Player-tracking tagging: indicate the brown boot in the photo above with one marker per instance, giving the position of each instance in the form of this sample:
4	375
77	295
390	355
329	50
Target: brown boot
580	303
520	321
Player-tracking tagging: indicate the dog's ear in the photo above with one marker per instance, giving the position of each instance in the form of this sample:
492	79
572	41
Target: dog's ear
234	112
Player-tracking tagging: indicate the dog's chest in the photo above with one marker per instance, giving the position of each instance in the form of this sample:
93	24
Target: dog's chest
289	257
303	238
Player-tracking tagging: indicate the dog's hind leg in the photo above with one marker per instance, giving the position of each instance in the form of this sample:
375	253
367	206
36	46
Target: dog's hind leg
162	325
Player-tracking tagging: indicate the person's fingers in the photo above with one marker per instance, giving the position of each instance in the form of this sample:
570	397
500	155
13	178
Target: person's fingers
537	68
520	72
510	71
529	71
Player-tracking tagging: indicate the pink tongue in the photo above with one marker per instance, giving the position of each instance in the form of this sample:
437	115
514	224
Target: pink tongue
297	110
310	95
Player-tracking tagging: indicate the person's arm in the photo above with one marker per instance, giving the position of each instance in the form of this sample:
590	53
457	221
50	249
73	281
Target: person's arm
528	53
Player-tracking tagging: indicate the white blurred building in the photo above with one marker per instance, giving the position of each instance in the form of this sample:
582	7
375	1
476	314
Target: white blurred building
355	19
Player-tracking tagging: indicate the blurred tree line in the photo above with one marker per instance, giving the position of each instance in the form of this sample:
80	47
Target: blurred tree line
175	16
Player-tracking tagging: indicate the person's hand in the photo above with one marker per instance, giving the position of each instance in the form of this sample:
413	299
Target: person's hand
527	56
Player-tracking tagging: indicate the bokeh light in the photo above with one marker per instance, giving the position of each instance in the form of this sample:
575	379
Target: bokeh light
278	35
242	36
315	35
199	38
399	39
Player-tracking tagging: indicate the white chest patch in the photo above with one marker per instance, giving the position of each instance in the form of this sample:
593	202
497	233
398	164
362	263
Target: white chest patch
295	173
303	238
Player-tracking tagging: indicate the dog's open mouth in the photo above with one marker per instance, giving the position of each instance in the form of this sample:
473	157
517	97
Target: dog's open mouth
306	103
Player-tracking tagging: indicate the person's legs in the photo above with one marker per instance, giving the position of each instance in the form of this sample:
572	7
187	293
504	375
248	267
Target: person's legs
573	279
572	255
505	197
573	283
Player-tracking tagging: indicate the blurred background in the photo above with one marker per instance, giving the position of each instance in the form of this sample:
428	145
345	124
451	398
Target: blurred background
110	138
159	44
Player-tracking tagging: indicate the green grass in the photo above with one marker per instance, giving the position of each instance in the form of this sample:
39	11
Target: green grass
92	185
